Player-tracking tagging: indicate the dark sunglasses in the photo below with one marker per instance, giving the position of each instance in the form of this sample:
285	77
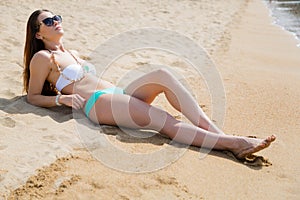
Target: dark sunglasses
49	21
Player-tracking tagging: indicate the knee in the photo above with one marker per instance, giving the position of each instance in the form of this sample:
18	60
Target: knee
163	74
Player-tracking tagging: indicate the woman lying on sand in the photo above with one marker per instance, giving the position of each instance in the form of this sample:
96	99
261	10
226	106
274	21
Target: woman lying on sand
54	76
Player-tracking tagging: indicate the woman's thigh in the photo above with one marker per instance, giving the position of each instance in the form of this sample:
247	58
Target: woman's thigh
127	111
147	87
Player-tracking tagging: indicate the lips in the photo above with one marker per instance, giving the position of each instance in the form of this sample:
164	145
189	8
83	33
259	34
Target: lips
58	28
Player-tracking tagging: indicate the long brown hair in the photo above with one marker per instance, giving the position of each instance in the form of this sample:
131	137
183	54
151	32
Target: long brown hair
33	45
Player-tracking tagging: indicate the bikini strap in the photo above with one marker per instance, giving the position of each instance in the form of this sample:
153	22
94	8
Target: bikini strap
74	57
59	69
54	60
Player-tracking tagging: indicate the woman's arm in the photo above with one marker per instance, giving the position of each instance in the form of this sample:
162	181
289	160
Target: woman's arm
39	71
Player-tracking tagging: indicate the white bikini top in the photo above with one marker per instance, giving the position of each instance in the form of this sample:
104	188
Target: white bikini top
72	73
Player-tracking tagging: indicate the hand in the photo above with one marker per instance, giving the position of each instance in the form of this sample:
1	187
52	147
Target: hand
74	100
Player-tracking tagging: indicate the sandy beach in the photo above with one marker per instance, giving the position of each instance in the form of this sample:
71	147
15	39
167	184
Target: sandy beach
50	153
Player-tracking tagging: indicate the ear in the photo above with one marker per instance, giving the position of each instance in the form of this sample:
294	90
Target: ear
38	36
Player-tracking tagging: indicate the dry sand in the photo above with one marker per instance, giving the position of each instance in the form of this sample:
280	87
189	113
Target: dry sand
41	153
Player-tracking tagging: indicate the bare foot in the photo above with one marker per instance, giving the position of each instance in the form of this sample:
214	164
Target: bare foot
248	146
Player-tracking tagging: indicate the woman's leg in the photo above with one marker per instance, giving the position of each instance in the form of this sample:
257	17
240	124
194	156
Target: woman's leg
130	112
147	87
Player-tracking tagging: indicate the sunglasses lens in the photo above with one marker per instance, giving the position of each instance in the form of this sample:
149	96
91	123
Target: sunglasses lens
50	20
57	18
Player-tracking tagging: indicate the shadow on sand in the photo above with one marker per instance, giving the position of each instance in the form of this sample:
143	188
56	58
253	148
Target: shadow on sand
19	105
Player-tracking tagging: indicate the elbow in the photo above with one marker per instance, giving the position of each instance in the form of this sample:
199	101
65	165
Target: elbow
30	99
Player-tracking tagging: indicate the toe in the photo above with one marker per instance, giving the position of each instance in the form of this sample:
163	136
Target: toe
270	139
273	138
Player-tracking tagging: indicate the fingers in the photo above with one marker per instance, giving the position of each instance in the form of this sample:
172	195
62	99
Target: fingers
77	102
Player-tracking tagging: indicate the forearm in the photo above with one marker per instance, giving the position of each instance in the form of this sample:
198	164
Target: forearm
42	101
71	100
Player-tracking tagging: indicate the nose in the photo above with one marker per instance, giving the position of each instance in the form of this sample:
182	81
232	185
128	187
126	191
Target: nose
55	22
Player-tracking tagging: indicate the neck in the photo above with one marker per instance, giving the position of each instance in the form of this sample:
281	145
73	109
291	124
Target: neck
54	45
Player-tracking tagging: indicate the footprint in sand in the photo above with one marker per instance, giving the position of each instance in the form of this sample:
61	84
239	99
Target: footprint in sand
8	122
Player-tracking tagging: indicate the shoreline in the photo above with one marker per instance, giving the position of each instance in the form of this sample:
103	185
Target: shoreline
275	23
260	74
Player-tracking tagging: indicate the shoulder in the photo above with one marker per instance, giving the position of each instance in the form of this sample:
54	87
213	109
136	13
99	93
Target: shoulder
42	55
41	59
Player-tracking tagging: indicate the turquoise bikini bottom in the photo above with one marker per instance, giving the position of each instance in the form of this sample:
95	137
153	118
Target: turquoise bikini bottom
95	96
